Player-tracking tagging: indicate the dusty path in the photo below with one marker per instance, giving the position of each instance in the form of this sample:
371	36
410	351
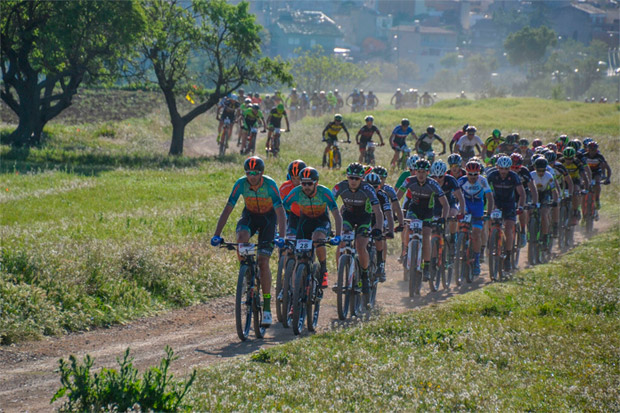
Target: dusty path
199	335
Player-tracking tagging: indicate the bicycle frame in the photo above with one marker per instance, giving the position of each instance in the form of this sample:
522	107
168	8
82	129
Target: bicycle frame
463	257
495	248
413	262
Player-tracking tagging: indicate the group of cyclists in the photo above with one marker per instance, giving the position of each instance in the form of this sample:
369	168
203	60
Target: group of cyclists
411	98
508	176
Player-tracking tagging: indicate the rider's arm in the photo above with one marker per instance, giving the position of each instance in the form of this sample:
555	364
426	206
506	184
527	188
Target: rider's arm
399	212
607	168
376	209
325	130
533	191
445	206
344	128
357	137
221	222
569	182
479	150
392	139
490	202
417	143
521	193
288	125
337	221
281	220
461	199
380	137
443	144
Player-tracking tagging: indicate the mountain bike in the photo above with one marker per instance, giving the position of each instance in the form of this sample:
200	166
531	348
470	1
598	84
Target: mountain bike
333	157
284	285
370	299
539	246
495	246
273	145
402	161
463	261
307	292
248	299
413	261
566	230
590	214
224	136
348	289
441	268
251	141
369	154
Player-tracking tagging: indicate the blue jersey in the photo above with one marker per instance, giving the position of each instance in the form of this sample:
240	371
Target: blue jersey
391	192
474	192
449	186
504	189
400	133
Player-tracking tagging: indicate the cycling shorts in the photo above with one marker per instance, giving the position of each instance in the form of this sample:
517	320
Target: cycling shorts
509	210
275	123
358	221
292	222
264	224
425	214
399	144
364	142
330	139
476	209
249	123
467	153
307	226
227	115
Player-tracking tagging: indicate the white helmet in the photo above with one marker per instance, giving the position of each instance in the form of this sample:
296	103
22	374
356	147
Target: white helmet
504	162
439	168
411	161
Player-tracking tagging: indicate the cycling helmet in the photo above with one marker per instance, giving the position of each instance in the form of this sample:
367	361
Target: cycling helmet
536	143
295	167
422	165
247	101
454	159
256	95
493	160
575	143
562	141
233	96
586	141
367	169
496	133
355	169
373	179
553	147
472	129
473	166
411	161
439	168
504	162
536	156
241	91
516	135
511	139
465	126
592	145
551	156
309	174
338	116
397	90
369	118
254	163
336	91
256	106
524	142
404	122
541	163
280	107
430	129
569	153
540	149
381	171
517	159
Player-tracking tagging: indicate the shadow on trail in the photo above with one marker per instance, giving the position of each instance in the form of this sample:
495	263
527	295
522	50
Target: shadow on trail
427	297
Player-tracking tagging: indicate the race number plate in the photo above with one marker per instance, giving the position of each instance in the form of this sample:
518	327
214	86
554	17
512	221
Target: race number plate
276	131
303	245
467	218
247	249
254	130
226	121
497	214
415	224
348	236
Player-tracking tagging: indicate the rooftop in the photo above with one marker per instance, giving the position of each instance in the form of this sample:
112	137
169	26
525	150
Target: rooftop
307	23
423	30
588	8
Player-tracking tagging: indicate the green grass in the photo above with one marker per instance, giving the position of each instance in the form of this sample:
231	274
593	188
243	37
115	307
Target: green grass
99	225
546	342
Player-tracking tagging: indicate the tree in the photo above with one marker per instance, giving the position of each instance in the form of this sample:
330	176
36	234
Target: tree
49	48
224	38
528	45
479	69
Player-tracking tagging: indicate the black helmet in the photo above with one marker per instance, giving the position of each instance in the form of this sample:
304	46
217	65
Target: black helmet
254	163
430	129
465	126
309	174
295	167
422	164
404	122
369	118
381	171
373	179
355	169
524	142
541	163
256	106
551	156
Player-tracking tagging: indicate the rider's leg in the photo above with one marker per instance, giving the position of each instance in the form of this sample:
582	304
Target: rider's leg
244	139
269	144
361	242
265	280
325	152
321	255
544	215
395	158
555	219
362	155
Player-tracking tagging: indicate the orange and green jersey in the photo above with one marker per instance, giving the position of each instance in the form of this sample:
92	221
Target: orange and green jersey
286	189
312	207
260	200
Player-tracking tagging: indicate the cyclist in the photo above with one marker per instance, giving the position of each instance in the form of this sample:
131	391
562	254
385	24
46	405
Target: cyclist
454	195
424	144
293	102
476	191
292	215
364	135
263	208
274	120
391	193
599	167
397	99
491	144
353	100
398	139
426	100
423	191
339	100
562	143
227	110
406	174
372	101
314	201
505	184
359	201
330	134
458	135
454	162
250	117
509	145
562	181
531	194
388	222
332	101
546	188
525	151
466	144
315	103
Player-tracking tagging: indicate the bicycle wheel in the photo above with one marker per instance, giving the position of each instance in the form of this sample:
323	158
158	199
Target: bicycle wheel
257	311
532	246
299	298
494	256
436	265
516	247
459	259
223	142
562	226
356	301
287	296
415	276
342	293
313	303
372	271
448	266
468	271
279	287
243	303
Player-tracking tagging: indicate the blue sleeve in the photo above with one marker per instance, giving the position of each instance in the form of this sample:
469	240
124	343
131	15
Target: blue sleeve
329	198
274	192
370	193
436	188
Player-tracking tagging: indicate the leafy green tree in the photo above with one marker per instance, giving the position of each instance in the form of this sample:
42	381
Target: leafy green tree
528	45
49	48
478	70
210	43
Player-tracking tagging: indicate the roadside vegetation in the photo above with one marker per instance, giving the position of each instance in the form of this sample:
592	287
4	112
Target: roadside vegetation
100	226
546	342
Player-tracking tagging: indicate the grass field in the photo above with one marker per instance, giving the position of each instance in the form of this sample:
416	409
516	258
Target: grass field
546	342
99	226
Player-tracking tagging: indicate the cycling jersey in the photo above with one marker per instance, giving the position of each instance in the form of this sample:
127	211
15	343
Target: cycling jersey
366	134
543	183
333	129
314	206
229	108
574	168
422	195
467	145
358	201
492	144
386	207
503	189
400	133
426	142
260	200
401	179
594	162
293	99
286	189
391	193
276	117
250	118
449	186
507	148
525	176
458	135
474	197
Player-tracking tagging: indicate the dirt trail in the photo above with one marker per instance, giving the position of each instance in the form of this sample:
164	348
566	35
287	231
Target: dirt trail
199	335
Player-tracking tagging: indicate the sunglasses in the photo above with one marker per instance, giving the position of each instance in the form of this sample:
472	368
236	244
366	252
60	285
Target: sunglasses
354	178
470	174
252	173
307	183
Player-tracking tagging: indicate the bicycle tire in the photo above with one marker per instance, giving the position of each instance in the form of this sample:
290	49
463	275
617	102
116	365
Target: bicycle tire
279	286
532	247
494	256
467	267
257	312
562	225
436	266
223	143
459	259
243	305
342	293
415	276
356	300
372	275
516	247
299	308
446	274
313	303
287	297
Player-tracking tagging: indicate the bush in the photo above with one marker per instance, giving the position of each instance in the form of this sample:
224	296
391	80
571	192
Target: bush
120	390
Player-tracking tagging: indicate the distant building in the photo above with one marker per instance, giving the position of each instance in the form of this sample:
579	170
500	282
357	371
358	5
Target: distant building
302	29
578	21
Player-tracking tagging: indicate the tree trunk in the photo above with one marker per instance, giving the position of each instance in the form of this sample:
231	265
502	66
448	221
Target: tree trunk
30	126
178	133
